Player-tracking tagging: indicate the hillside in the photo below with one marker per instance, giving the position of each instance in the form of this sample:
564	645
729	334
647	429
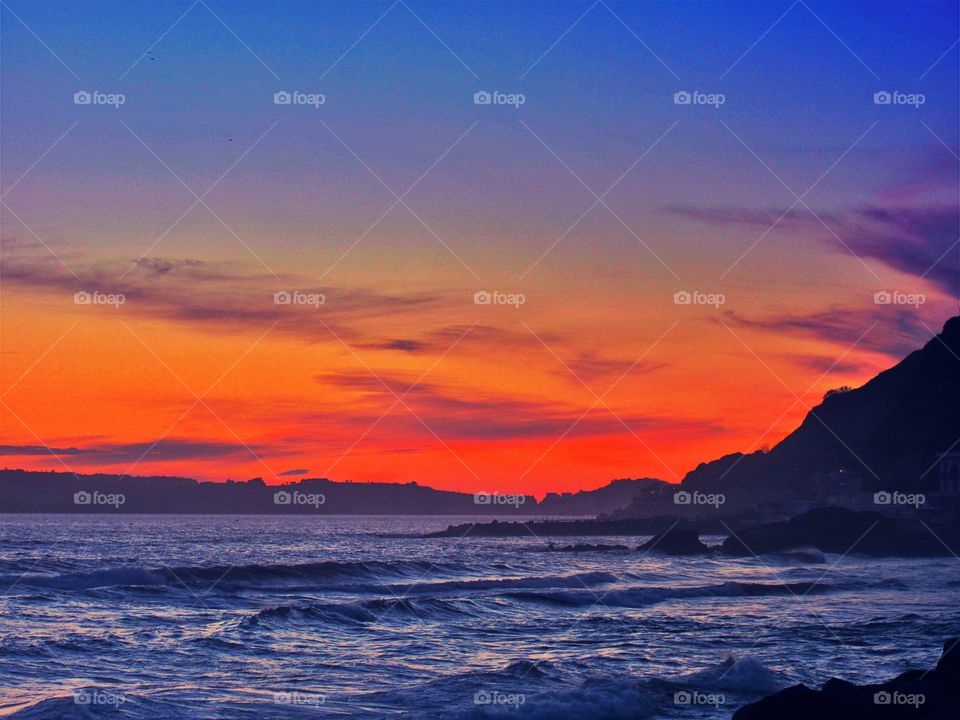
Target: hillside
890	430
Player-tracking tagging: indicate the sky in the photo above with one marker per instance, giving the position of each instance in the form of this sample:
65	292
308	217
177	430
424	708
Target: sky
804	201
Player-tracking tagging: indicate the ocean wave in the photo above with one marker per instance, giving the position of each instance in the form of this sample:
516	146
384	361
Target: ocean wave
643	596
574	580
57	647
595	698
806	556
743	675
356	613
634	698
230	575
91	703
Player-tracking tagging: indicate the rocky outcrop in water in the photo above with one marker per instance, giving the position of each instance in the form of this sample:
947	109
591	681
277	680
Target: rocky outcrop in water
837	530
914	695
675	541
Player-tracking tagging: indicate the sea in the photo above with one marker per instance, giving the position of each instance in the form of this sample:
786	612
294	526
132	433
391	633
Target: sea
136	616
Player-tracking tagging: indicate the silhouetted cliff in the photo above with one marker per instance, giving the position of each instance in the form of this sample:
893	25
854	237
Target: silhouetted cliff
889	431
596	502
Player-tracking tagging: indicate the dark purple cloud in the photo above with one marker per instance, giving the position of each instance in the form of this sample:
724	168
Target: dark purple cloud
218	295
896	331
484	415
917	241
831	365
115	453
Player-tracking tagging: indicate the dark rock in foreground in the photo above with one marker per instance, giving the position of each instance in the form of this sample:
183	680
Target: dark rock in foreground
916	694
837	530
676	541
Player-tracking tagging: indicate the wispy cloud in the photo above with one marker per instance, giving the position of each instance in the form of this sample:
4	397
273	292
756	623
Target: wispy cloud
117	453
224	296
898	331
474	414
917	241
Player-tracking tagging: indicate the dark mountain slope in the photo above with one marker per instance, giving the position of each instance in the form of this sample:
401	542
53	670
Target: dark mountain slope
890	430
